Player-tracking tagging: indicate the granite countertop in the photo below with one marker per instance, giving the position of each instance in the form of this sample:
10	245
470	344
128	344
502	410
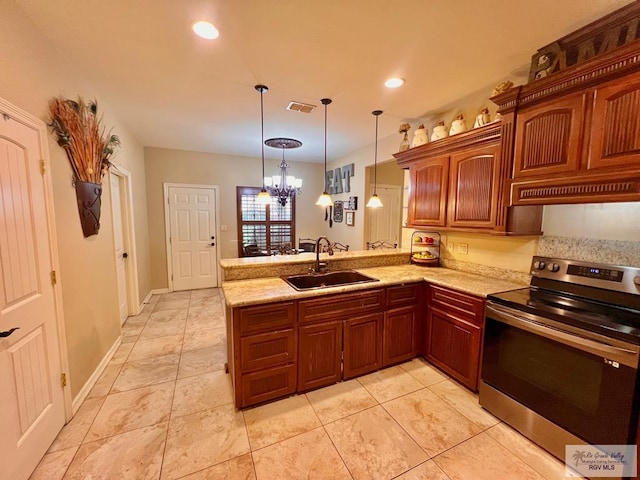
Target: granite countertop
306	257
273	289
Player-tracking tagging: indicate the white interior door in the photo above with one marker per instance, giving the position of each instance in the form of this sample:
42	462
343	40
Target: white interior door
31	395
192	213
384	222
120	248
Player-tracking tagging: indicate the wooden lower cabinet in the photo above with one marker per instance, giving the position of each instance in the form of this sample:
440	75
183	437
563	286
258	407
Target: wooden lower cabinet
319	355
400	341
281	348
453	344
362	345
263	352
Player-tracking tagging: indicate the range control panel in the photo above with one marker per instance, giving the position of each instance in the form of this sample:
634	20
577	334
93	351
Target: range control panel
610	277
608	274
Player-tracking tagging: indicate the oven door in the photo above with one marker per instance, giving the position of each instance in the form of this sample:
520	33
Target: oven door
581	381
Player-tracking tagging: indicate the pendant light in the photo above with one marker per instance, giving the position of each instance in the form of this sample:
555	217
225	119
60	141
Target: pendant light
263	197
325	199
374	201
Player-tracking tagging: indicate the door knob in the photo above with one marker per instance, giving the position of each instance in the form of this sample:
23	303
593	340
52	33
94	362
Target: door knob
125	255
212	244
213	237
8	332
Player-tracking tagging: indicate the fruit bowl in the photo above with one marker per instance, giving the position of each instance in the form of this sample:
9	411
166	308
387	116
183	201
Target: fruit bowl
424	258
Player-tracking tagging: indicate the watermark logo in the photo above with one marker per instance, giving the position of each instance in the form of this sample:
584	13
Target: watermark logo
600	460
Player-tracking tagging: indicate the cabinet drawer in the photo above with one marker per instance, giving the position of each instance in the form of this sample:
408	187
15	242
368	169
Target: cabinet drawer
340	306
258	387
460	304
400	295
268	317
267	349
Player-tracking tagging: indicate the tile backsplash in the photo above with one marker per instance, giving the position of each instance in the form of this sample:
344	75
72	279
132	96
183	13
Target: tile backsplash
616	252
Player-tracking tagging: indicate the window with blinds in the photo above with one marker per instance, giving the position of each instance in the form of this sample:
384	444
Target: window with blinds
262	229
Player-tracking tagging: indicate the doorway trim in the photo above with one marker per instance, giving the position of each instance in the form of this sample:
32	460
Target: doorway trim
128	225
38	125
167	225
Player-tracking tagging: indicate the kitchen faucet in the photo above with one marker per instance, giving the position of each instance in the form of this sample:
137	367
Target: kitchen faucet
321	266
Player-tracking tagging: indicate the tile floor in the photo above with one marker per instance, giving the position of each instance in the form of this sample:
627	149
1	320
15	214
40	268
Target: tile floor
163	409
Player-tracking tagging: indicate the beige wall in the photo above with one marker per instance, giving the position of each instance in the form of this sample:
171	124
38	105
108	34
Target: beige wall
33	72
178	166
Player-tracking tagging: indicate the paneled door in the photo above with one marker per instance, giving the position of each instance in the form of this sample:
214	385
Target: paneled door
31	394
384	222
192	213
120	249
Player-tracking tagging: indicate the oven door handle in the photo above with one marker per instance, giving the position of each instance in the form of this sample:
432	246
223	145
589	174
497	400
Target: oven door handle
539	326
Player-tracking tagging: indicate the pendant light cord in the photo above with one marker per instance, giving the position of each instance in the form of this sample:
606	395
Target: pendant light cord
262	133
377	113
262	89
325	102
325	147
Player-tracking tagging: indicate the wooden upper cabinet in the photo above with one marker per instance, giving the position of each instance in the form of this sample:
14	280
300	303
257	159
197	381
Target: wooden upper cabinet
473	186
576	133
458	183
428	192
549	137
615	132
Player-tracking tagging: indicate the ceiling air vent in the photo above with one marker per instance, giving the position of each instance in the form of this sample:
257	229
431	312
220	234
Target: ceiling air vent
300	107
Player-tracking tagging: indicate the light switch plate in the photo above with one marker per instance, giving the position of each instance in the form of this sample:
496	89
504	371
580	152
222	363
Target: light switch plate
462	248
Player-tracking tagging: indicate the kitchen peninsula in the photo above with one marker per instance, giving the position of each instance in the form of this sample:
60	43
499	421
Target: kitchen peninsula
283	341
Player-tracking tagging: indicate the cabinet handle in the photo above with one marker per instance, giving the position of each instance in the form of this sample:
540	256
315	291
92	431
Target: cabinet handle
8	332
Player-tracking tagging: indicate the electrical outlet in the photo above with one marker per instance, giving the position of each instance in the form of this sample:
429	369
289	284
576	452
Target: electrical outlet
223	228
462	248
451	246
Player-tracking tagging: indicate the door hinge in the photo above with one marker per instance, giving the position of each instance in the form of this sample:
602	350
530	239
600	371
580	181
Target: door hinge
43	166
54	280
63	380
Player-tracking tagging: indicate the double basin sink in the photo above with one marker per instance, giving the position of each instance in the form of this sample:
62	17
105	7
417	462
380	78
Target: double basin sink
324	280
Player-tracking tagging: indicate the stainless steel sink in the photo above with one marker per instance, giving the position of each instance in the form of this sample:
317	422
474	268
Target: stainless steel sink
324	280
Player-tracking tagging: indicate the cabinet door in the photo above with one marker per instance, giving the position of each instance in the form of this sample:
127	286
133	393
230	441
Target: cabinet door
400	335
362	345
473	187
549	137
615	132
454	346
428	192
319	355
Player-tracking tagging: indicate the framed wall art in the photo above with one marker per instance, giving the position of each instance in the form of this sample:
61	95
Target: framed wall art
338	210
349	218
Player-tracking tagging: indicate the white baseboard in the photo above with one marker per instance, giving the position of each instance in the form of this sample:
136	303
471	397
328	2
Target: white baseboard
156	291
82	394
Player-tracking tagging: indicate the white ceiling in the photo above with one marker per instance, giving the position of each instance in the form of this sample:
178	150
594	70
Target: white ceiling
175	90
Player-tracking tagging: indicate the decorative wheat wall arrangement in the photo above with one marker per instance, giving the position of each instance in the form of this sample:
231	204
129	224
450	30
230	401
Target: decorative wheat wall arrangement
88	146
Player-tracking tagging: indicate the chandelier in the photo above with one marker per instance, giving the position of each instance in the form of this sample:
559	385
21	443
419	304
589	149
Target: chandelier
283	186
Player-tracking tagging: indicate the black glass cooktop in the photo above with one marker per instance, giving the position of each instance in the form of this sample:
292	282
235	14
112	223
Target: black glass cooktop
606	319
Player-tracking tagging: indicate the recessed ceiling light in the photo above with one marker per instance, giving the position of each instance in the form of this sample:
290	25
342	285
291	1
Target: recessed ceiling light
394	82
205	30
